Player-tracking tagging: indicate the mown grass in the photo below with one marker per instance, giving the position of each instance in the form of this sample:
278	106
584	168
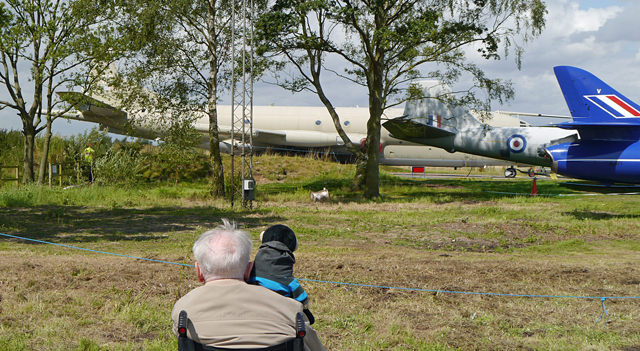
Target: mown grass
456	234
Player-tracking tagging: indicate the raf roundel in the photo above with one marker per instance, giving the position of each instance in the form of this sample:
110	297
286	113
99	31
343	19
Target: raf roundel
517	143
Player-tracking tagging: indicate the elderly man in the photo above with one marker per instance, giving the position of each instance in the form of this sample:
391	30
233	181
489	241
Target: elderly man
228	312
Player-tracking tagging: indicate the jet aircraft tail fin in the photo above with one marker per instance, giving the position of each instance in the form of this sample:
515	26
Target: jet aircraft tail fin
430	117
598	110
433	110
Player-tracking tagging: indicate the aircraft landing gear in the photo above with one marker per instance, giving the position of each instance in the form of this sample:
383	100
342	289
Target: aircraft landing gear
510	172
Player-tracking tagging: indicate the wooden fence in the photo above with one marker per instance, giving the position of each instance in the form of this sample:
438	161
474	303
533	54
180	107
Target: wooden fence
17	173
55	171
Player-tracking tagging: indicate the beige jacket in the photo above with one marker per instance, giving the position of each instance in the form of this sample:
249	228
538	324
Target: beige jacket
230	313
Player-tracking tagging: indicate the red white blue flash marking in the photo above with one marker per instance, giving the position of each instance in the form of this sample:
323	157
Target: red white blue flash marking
614	106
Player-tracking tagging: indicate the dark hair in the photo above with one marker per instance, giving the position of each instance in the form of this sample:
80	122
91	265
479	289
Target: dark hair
281	233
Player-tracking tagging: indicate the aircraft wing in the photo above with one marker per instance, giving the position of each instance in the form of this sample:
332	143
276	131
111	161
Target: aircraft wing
91	107
414	129
288	137
261	135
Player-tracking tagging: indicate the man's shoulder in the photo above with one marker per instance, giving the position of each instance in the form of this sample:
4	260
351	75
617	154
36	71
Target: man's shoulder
240	291
244	301
267	296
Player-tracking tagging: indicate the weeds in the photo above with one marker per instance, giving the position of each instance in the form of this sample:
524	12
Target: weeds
448	235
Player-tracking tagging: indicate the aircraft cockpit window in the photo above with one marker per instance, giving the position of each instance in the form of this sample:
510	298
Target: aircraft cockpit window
347	123
318	122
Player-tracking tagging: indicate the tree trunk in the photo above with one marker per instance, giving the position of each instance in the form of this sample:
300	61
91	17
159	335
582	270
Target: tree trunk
372	165
28	175
217	179
372	168
360	179
45	154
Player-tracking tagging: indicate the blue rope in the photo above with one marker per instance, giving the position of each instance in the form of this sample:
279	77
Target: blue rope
470	292
602	299
604	311
102	252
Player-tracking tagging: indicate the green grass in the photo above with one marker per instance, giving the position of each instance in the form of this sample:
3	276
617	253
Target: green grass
447	234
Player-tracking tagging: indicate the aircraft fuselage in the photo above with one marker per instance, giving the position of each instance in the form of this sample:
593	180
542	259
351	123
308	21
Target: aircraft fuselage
604	161
517	144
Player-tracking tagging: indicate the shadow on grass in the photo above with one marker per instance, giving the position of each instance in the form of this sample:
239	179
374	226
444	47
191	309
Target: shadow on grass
594	215
593	187
75	224
394	188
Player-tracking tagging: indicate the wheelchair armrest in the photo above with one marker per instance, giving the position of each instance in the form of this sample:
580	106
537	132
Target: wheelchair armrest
184	343
182	323
297	344
301	330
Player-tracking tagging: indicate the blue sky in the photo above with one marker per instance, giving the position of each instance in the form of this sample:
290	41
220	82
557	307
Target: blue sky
600	36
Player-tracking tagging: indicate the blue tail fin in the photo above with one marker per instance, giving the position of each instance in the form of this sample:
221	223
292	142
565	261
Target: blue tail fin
592	102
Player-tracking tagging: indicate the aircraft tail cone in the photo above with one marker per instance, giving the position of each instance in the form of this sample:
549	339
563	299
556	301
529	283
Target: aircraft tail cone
534	188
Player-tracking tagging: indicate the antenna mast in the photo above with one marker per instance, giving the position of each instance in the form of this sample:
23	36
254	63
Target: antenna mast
242	100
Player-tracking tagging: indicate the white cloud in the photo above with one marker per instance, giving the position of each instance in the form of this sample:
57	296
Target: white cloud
566	18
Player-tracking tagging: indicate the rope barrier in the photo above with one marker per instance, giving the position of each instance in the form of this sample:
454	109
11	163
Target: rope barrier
484	190
96	251
602	298
604	311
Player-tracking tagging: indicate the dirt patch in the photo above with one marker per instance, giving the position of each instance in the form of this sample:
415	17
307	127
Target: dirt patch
392	286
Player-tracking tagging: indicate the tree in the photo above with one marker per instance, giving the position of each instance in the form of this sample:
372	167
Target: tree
387	46
181	54
58	40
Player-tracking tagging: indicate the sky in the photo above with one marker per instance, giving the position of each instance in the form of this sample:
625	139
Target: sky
600	36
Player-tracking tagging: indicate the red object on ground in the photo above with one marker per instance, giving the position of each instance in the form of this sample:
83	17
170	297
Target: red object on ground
534	188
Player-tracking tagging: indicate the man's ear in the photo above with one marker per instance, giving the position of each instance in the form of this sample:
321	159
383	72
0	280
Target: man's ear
247	272
199	273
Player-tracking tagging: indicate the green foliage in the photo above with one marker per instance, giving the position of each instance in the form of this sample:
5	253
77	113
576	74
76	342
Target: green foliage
387	46
119	167
59	41
178	156
11	147
76	144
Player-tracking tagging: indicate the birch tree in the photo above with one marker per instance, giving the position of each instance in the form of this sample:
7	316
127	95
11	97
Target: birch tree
45	46
387	46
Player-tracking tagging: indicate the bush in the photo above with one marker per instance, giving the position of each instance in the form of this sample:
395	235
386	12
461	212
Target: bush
119	167
11	147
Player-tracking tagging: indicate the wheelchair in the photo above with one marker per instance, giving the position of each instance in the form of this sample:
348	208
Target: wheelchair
186	344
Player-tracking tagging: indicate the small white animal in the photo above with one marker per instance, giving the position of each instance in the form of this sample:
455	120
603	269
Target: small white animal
319	195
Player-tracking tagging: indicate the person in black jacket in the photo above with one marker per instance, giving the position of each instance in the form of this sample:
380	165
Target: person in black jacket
273	265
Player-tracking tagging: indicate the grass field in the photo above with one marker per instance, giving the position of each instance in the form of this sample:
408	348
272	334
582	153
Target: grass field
435	238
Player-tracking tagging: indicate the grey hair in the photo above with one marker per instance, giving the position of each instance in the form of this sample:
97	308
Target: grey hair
223	252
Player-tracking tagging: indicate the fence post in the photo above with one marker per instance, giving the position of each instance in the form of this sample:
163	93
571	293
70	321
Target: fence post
50	174
17	178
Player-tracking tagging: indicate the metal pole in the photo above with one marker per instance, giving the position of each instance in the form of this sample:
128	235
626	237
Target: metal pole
233	97
242	101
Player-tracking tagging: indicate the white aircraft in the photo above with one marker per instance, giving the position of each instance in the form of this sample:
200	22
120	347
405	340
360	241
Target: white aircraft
429	121
286	127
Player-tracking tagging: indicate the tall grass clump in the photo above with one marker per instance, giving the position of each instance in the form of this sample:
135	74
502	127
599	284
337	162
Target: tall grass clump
120	167
11	147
